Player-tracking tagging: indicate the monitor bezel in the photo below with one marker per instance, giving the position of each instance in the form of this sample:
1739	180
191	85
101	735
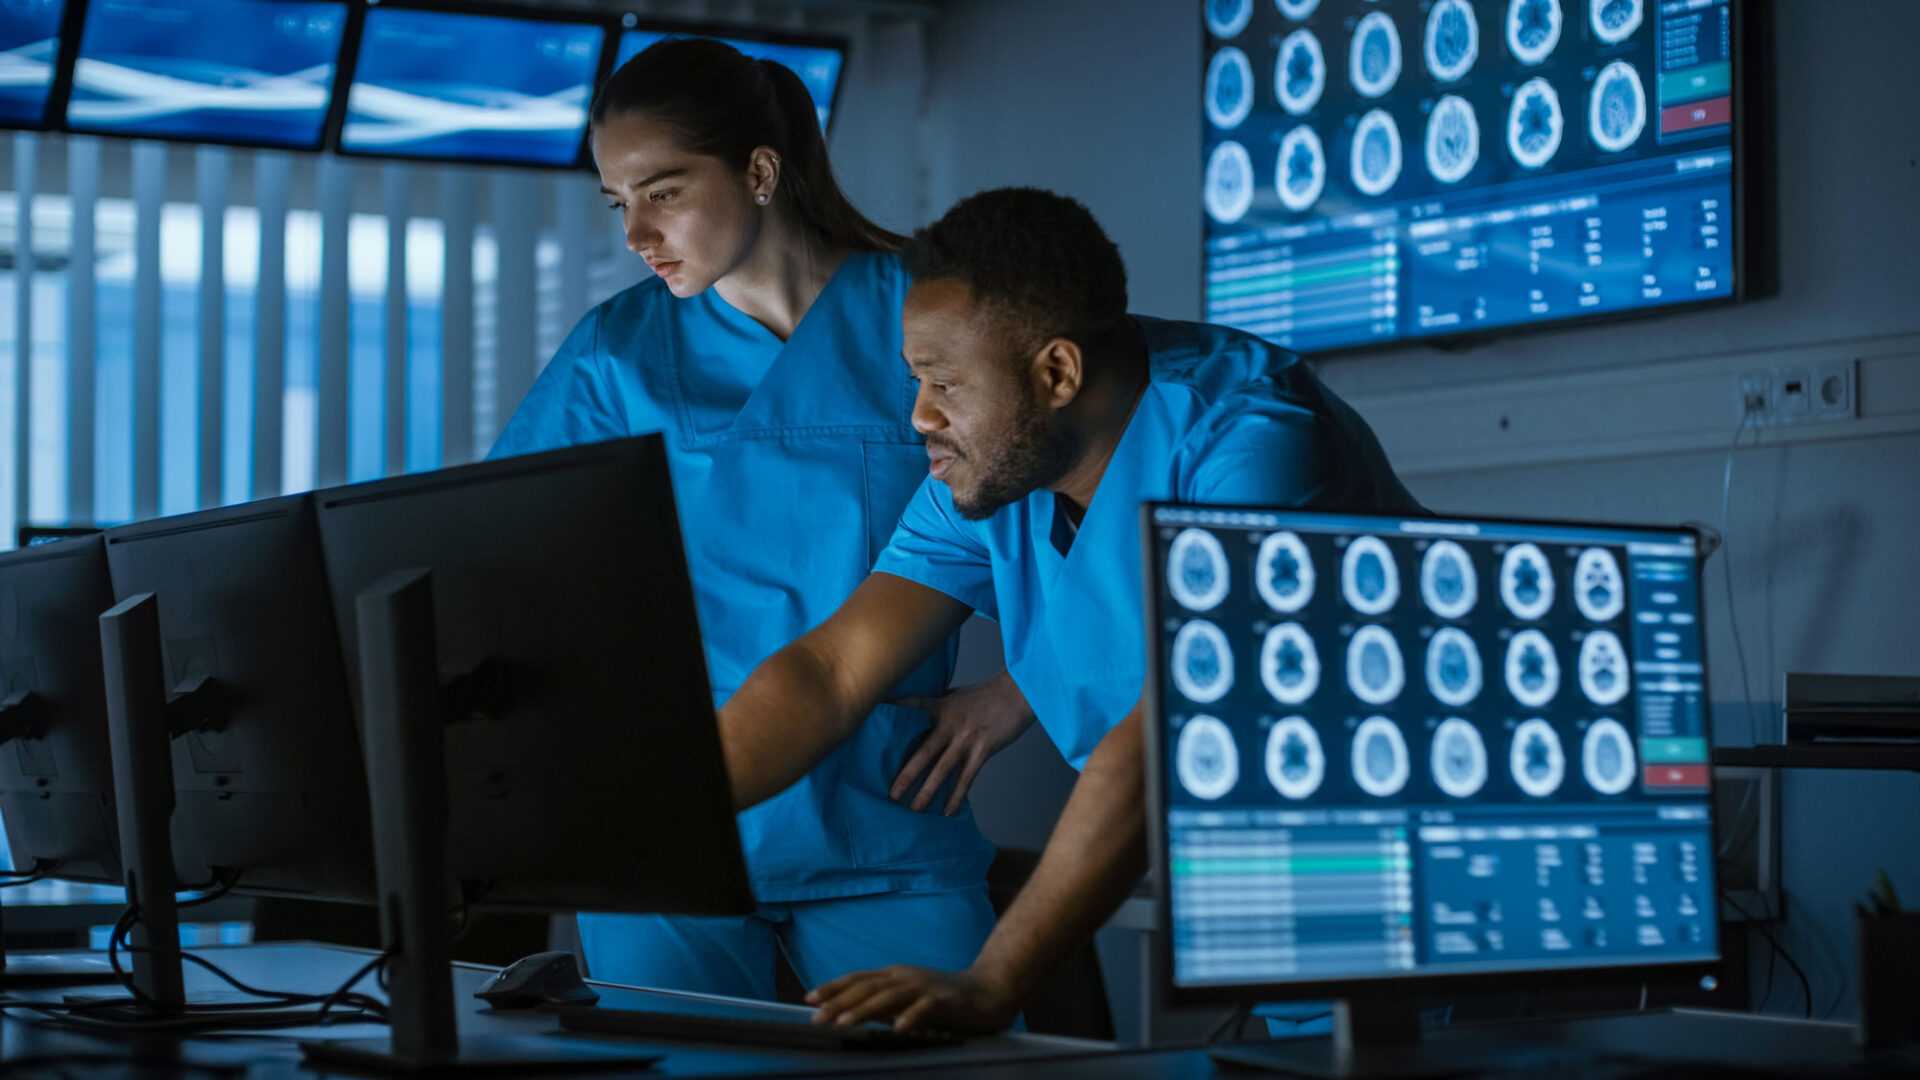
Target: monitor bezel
350	71
69	63
1396	985
1745	263
722	31
60	88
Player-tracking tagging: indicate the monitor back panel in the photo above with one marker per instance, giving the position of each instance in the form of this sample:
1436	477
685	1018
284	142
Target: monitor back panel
56	784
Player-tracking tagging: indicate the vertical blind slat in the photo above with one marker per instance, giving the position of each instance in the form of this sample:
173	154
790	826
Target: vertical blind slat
149	196
26	176
334	182
394	192
457	191
211	165
272	173
515	217
83	187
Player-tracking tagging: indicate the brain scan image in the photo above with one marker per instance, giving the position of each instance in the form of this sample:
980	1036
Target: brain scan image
1533	672
1229	184
1197	570
1295	761
1375	672
1614	21
1447	581
1299	72
1535	123
1205	758
1617	111
1459	758
1202	662
1297	9
1598	590
1300	171
1526	581
1368	577
1289	664
1283	573
1606	757
1533	29
1229	88
1453	39
1376	153
1538	762
1603	668
1453	139
1374	59
1453	667
1225	18
1380	763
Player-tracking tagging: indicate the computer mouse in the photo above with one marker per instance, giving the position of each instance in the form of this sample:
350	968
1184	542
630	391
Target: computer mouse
548	978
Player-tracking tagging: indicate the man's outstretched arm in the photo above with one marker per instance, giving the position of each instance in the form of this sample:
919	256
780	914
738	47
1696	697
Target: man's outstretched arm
1096	854
809	697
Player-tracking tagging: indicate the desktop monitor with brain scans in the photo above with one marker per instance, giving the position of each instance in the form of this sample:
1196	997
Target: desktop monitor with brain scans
1426	753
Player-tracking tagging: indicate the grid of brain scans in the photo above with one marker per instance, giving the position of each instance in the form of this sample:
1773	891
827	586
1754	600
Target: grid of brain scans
1385	169
1490	736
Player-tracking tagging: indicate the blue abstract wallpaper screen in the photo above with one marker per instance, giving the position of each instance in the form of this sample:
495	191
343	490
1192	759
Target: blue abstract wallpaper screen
818	66
1374	172
29	47
463	87
249	71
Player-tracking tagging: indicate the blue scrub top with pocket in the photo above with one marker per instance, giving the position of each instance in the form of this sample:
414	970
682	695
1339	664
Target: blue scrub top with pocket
1225	418
791	464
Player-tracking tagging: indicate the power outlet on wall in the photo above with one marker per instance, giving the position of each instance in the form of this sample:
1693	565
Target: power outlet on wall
1798	394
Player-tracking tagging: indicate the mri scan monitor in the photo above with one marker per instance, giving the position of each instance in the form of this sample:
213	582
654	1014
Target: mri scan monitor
1392	757
1382	172
56	775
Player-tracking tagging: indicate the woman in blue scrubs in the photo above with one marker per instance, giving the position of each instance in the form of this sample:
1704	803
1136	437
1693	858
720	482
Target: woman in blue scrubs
767	349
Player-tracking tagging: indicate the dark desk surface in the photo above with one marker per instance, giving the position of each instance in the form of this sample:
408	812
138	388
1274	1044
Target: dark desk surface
32	1047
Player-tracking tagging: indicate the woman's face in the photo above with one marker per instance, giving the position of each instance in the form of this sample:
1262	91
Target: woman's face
692	217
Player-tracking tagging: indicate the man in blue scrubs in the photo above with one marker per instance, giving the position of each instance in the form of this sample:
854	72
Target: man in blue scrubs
1049	414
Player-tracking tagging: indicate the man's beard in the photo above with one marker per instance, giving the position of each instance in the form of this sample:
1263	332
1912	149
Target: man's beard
1035	451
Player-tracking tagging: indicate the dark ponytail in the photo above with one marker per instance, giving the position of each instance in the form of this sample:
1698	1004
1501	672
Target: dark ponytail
724	105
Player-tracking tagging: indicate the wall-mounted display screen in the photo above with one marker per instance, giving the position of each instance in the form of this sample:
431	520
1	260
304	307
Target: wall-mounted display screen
29	48
1384	171
246	71
817	63
456	86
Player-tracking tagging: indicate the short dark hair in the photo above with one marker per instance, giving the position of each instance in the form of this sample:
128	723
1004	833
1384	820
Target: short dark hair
1038	258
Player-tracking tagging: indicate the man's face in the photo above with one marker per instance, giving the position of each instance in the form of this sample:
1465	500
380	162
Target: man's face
690	216
991	437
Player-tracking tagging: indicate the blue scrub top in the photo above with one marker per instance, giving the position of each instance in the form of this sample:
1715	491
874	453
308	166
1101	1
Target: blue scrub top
791	464
1225	418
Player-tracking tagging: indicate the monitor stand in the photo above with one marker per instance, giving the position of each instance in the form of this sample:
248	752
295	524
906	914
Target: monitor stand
1379	1037
403	728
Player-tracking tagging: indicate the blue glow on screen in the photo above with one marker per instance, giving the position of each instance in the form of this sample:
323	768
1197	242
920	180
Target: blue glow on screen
255	71
1382	172
29	46
817	65
472	87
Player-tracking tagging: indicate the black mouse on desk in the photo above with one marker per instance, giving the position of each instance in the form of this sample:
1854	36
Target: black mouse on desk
548	978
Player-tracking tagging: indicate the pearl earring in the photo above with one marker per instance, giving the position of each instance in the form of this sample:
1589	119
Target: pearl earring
761	199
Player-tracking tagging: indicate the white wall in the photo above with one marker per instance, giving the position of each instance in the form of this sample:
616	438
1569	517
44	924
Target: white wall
1099	100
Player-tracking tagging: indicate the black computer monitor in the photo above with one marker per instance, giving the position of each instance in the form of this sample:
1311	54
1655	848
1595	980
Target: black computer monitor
270	791
56	778
524	651
1393	756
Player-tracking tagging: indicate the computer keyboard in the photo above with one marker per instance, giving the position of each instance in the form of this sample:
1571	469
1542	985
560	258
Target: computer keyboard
793	1034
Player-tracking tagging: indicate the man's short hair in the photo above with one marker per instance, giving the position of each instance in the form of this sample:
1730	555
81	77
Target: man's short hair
1036	259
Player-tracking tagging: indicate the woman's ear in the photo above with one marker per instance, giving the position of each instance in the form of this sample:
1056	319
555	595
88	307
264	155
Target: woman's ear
763	174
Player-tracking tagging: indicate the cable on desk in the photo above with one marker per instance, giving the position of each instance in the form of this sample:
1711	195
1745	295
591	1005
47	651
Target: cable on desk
273	998
1806	986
